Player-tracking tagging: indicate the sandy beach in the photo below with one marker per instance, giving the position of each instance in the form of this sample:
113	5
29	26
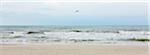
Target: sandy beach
73	49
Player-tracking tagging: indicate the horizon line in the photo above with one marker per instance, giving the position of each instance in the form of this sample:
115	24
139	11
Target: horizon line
76	1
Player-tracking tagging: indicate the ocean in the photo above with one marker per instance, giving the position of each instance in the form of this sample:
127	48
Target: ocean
102	34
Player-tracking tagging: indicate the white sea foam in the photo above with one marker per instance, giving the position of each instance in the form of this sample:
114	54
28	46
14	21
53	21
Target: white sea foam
66	36
23	35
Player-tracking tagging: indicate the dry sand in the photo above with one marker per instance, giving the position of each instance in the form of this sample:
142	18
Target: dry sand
73	50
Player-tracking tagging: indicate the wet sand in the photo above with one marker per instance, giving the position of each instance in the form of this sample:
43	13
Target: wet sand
72	49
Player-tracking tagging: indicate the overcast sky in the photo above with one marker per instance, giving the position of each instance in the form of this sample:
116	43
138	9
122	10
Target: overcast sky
74	0
64	13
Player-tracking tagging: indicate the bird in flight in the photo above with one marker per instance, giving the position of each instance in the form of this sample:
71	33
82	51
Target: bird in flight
76	10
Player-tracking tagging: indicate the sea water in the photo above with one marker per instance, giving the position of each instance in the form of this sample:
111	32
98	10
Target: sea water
72	34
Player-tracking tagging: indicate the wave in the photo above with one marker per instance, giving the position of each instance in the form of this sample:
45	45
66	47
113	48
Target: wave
87	31
29	37
71	34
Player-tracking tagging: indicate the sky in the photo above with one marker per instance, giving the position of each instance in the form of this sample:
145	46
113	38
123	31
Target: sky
99	12
75	0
